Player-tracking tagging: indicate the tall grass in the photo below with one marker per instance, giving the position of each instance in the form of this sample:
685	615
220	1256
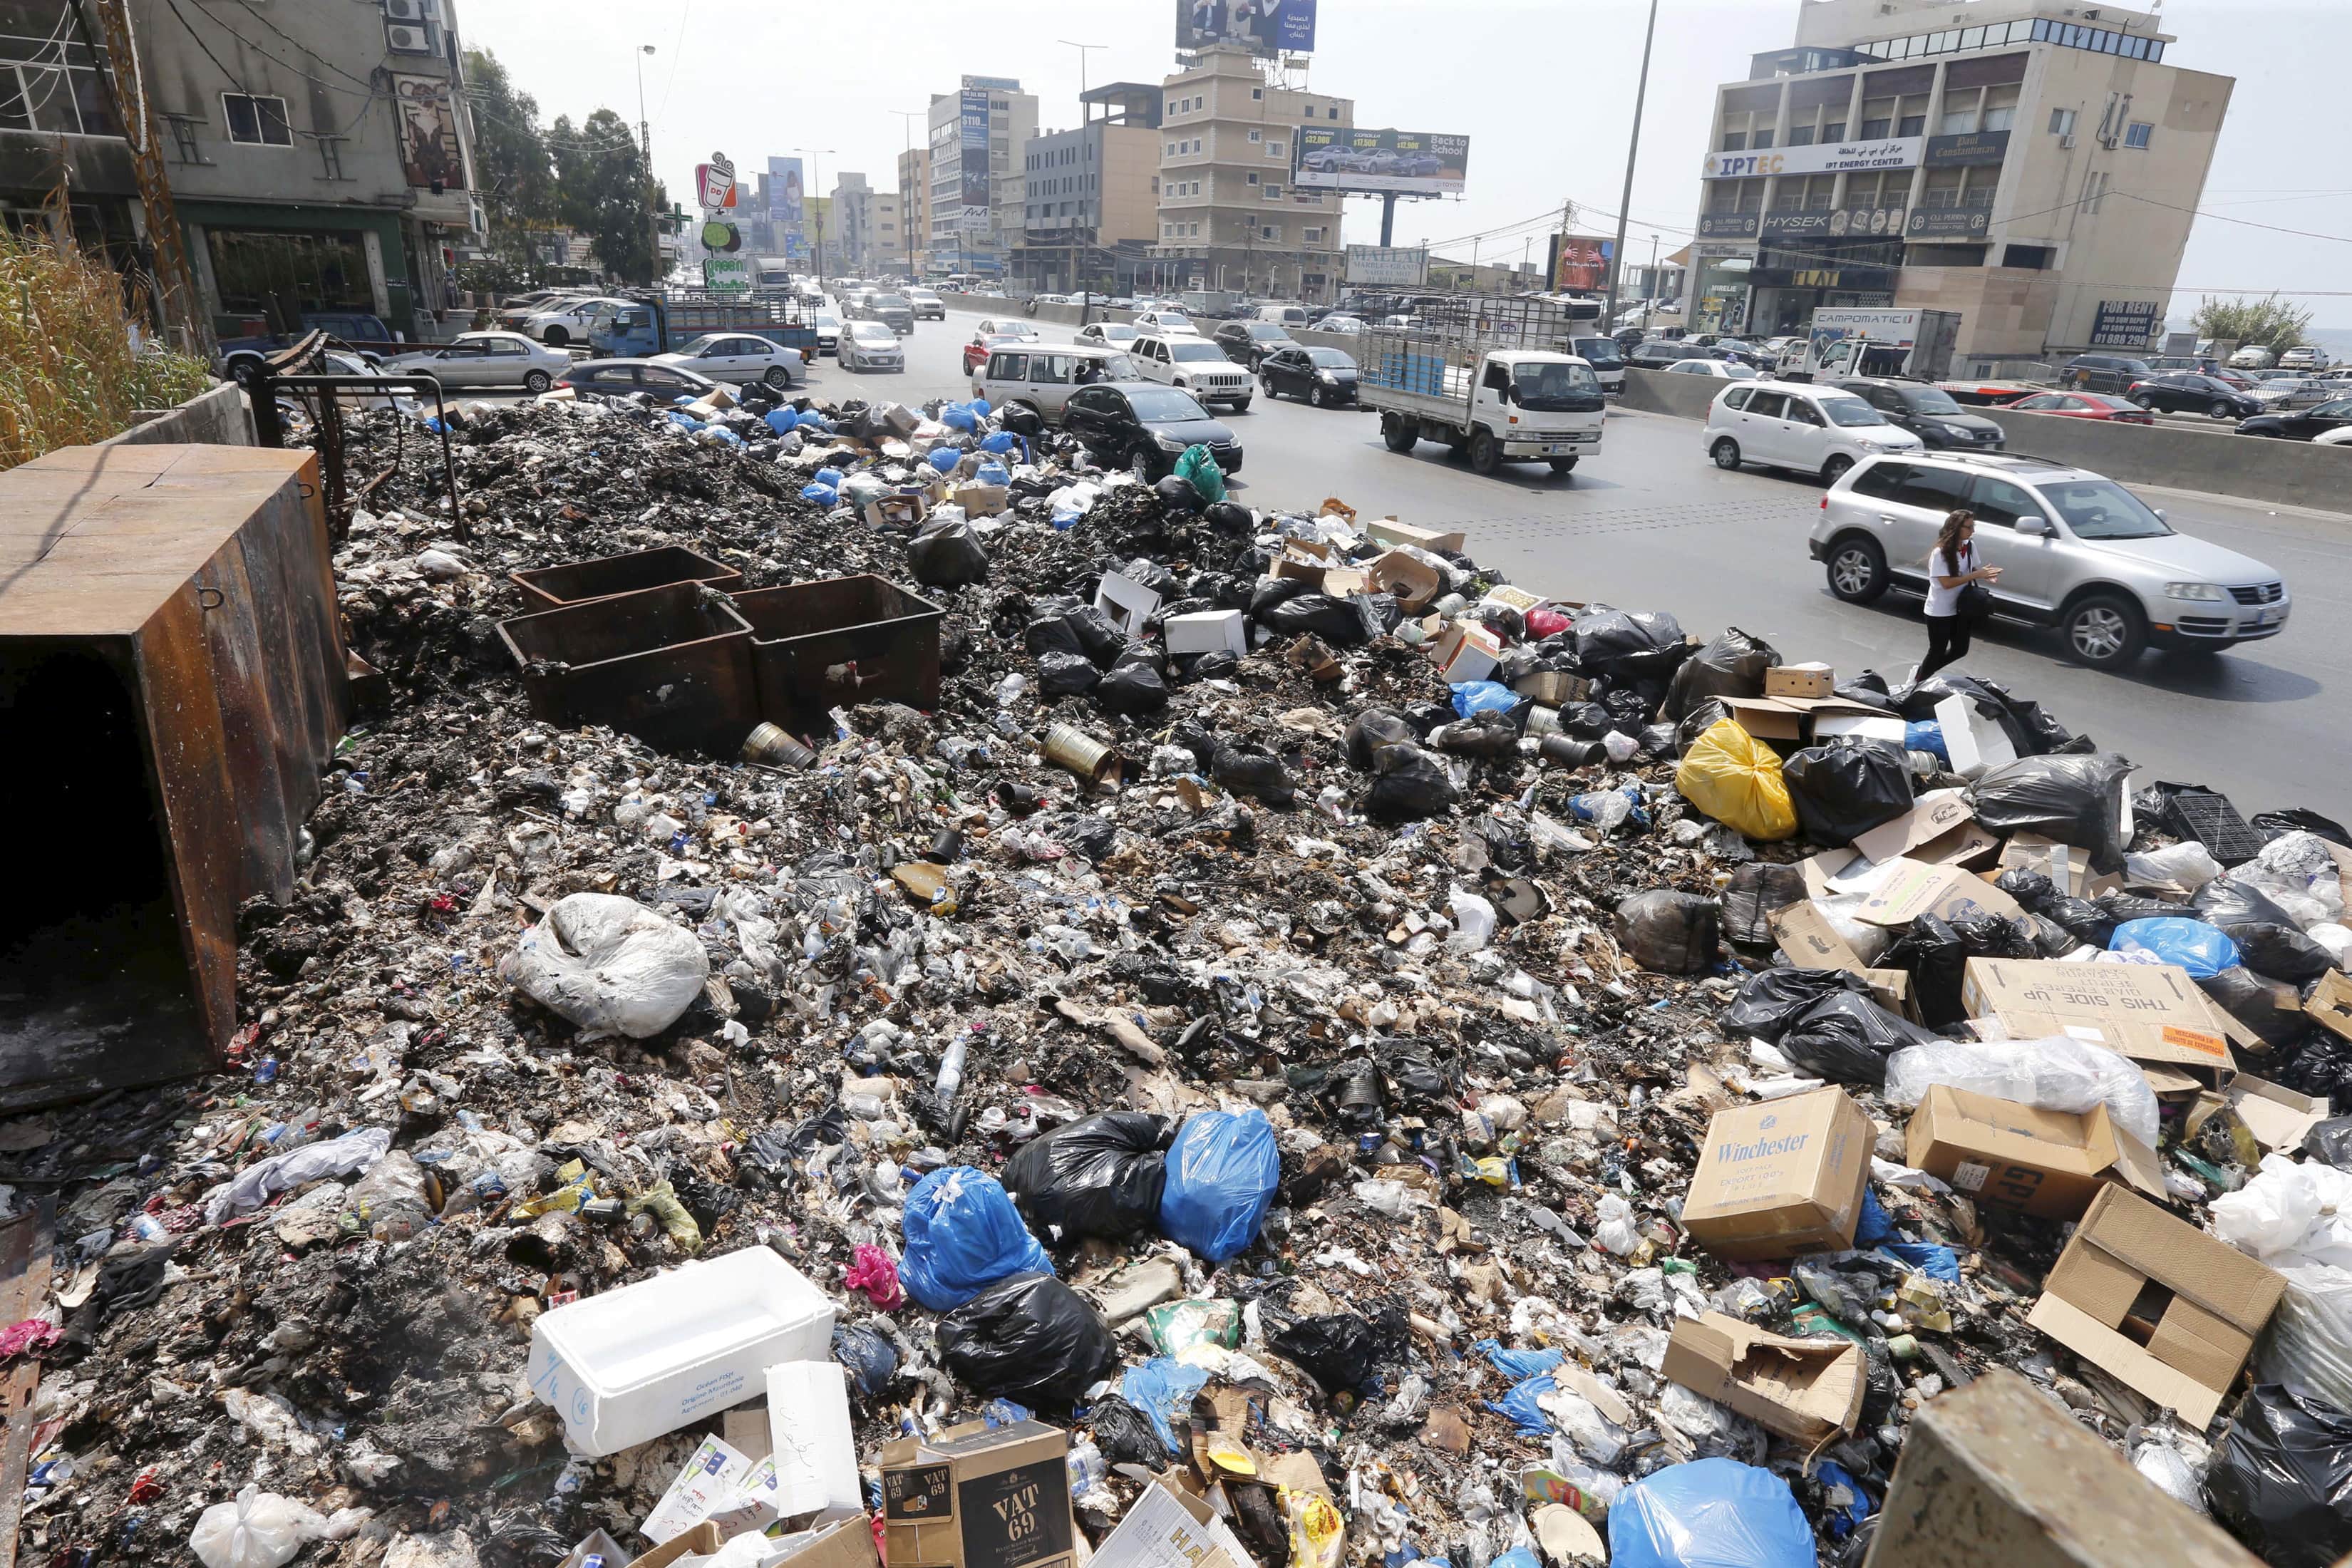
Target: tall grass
68	372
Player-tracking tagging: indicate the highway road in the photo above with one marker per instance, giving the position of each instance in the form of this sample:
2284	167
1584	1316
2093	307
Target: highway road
1650	523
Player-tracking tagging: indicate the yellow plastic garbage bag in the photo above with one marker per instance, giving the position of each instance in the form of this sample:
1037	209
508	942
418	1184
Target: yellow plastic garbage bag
1735	778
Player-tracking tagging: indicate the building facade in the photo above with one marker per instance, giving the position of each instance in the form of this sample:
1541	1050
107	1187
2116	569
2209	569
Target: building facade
975	140
1089	197
2030	164
1228	217
915	209
870	237
319	157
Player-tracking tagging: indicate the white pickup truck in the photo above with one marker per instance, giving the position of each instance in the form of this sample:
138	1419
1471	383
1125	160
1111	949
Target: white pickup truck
1466	384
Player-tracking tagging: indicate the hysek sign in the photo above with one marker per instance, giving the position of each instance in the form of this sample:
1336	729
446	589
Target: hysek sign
1822	158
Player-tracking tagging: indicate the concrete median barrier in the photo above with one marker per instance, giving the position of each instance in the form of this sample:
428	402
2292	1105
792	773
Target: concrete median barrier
1663	392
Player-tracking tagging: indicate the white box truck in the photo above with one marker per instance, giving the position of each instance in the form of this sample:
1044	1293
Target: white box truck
1844	342
1489	378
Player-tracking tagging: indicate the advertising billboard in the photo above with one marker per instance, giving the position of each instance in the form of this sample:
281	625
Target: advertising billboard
714	183
430	153
2127	323
1265	28
1948	223
1580	262
974	166
1387	266
1821	158
1414	162
1975	150
786	187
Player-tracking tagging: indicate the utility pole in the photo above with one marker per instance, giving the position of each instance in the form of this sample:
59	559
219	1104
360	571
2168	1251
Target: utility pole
815	182
175	281
1082	50
1633	148
645	128
906	118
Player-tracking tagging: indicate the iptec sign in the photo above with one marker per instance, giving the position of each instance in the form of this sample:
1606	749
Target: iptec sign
1822	158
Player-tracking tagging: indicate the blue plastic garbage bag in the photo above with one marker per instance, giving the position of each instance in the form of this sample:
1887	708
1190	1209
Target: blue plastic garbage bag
1483	697
823	495
1519	1405
963	1234
943	459
1161	1388
829	478
1874	1227
1938	1262
1850	1510
1516	1557
1222	1172
999	441
956	417
782	421
1926	735
1709	1514
724	433
1519	1365
810	419
993	474
978	406
683	420
2204	950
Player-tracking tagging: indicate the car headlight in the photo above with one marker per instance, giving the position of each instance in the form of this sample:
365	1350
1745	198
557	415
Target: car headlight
2203	593
1166	442
1326	378
1956	432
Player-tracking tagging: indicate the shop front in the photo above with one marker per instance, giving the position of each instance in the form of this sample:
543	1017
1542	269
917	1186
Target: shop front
1838	258
261	270
1719	291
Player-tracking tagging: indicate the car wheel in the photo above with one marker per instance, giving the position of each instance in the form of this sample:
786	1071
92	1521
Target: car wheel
1399	435
2221	411
1485	455
1141	464
2104	631
1314	395
1725	453
2144	400
536	380
555	337
1857	569
1835	470
778	378
1563	464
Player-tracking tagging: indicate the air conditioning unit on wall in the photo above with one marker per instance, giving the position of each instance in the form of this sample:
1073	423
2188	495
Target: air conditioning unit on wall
408	38
403	10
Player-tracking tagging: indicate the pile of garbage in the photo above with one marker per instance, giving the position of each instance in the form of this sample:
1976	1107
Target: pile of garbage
1302	1044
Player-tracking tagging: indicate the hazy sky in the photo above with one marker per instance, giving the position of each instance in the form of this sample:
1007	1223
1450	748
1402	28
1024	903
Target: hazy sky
1544	88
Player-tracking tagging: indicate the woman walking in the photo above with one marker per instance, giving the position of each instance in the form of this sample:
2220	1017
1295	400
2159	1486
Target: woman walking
1952	569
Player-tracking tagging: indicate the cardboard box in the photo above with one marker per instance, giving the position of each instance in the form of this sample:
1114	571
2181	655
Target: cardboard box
1127	602
1800	680
1913	888
710	1477
974	1498
1389	531
1806	1389
2148	1012
1170	1529
2067	868
1464	652
1935	816
1887	727
2278	1117
815	1450
1206	631
2330	1002
1791	718
1413	583
1781	1178
896	509
847	1541
2157	1303
1807	937
1553	688
1508	597
983	500
2049	1163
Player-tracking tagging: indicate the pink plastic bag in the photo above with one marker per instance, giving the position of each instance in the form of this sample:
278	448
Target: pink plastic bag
1542	624
872	1271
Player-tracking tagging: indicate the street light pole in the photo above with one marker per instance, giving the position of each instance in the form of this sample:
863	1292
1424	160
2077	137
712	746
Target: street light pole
644	129
1633	148
816	182
1083	49
906	118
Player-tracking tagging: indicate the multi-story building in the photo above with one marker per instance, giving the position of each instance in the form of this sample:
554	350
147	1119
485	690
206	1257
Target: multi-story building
976	136
868	238
319	155
1229	218
2032	164
1089	197
915	207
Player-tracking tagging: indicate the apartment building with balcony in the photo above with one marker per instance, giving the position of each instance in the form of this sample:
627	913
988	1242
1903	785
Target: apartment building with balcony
1229	216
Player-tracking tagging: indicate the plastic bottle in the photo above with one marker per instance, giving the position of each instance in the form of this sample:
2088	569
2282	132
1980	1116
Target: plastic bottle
951	1079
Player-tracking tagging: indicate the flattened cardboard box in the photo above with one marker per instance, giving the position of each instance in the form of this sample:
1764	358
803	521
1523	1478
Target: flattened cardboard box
1781	1178
2330	1004
1806	936
1806	1389
2148	1012
975	1498
2050	1163
1389	531
2185	1358
1788	717
1912	887
1939	831
1167	1529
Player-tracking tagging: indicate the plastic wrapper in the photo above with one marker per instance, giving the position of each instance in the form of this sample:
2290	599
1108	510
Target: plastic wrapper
1756	892
1771	1000
2300	874
2054	1074
1028	1337
1735	778
2281	1478
2289	1213
609	964
1732	665
1101	1176
2201	949
1668	931
1842	790
1846	1037
2174	1461
259	1530
962	1234
1223	1170
2271	1008
1709	1514
1162	1390
2077	800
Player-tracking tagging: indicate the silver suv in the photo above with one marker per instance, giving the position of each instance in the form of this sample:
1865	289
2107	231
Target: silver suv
2076	550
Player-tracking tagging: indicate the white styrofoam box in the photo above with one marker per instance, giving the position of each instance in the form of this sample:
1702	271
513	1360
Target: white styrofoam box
1975	743
815	1451
633	1363
1205	631
1874	727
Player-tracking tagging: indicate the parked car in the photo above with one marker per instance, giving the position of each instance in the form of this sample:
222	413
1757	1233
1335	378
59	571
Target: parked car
1335	323
1110	334
514	312
2185	392
2300	424
1247	342
2254	356
1044	377
1163	321
2340	437
2083	405
1657	353
1927	411
1288	317
2103	373
1718	368
929	307
1193	364
2076	550
2303	356
347	326
1796	424
618	378
740	357
569	321
485	359
1146	429
871	345
1319	375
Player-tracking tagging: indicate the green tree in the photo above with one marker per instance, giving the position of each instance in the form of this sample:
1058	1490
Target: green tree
517	171
2268	322
604	191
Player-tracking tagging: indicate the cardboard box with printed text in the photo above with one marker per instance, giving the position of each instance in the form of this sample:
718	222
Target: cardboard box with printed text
977	1498
1781	1178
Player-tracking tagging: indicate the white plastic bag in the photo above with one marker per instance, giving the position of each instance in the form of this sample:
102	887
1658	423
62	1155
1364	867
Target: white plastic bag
2053	1074
609	964
2290	1214
2176	1462
2308	1345
2186	866
2336	939
265	1179
1474	921
2299	874
259	1530
1616	1232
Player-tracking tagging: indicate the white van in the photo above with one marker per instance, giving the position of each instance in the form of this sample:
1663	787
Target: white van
1043	377
1816	429
1291	316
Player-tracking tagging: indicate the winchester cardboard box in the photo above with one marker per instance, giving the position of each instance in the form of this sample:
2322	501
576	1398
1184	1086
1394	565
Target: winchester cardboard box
1781	1178
976	1497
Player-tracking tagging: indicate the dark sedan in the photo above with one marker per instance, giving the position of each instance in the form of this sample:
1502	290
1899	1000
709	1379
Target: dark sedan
1928	413
1319	376
2186	392
1247	342
1146	428
1657	353
2301	424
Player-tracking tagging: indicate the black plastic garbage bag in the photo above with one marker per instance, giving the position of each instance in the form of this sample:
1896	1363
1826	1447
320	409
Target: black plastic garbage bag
1631	704
1488	734
2081	919
1420	1068
1099	637
1029	1337
1756	890
1133	687
2279	952
2281	1478
1062	671
1021	419
1177	495
1657	741
1698	722
2226	902
2272	824
2031	889
1124	1434
1085	835
947	555
1771	1000
2077	800
1259	774
1733	665
1152	574
1370	731
1669	932
2271	1008
869	1358
1100	1175
1614	641
1407	785
1936	955
1272	591
1337	621
1341	1352
1218	663
1846	1037
1869	688
1844	789
1230	517
2330	1143
2120	908
1586	721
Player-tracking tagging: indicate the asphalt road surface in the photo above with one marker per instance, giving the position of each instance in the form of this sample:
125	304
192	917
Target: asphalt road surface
1650	523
